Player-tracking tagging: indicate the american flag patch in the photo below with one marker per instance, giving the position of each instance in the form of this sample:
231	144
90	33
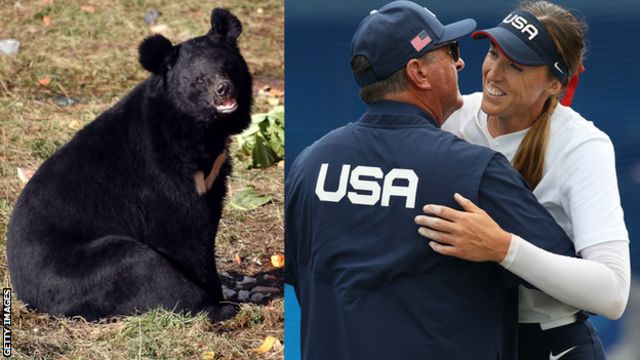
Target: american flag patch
420	41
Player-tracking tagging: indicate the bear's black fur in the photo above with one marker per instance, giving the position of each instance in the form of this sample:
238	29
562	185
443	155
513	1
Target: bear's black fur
112	224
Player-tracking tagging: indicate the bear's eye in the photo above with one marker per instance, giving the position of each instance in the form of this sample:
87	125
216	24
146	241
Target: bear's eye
199	80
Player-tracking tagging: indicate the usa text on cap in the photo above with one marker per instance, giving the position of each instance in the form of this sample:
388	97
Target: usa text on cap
524	40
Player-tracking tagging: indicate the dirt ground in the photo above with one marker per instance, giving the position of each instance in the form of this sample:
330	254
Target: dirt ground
76	59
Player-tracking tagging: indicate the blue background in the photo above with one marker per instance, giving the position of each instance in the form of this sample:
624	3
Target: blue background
321	95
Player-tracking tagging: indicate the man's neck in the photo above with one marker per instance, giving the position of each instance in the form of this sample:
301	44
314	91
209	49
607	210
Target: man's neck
410	98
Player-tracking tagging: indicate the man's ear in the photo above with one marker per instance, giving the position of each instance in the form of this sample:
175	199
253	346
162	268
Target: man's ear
416	72
225	25
156	54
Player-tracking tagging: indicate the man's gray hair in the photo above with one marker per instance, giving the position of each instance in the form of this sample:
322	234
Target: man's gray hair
394	83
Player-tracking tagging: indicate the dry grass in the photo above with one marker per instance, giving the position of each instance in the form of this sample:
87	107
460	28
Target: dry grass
92	58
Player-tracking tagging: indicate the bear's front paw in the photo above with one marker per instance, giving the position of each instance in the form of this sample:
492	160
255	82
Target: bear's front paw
222	312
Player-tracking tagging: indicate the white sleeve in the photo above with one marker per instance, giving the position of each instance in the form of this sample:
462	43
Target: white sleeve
599	282
591	197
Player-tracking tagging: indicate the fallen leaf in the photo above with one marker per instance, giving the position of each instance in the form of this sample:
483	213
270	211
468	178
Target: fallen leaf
87	9
46	20
247	199
74	124
267	344
277	261
277	347
25	174
275	92
209	355
44	81
237	259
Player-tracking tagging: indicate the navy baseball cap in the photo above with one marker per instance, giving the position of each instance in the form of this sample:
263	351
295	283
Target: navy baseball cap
398	32
524	40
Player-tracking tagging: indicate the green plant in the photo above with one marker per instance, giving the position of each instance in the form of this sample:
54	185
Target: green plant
262	144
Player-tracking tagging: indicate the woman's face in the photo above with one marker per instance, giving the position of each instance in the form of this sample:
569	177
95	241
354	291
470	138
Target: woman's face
514	90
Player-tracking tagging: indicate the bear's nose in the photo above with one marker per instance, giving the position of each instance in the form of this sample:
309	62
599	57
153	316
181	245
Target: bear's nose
224	89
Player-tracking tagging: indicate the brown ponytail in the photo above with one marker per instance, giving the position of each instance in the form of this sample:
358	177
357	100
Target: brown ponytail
529	159
567	33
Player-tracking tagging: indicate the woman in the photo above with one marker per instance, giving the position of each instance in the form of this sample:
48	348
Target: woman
534	56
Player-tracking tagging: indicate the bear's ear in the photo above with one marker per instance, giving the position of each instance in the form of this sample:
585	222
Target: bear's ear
156	54
224	24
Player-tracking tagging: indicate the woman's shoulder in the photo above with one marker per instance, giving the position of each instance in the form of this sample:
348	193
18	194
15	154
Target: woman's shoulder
574	138
571	128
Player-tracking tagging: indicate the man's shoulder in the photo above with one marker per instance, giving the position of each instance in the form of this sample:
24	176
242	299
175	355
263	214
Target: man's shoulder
321	146
327	141
416	147
462	148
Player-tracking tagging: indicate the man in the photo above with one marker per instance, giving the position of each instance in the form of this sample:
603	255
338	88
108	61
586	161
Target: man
369	286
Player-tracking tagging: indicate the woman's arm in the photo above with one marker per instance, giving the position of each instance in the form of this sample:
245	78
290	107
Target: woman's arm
599	282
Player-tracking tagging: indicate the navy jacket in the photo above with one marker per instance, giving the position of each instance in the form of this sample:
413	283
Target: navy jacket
369	286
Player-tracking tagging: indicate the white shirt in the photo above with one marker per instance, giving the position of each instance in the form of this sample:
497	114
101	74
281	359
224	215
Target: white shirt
579	188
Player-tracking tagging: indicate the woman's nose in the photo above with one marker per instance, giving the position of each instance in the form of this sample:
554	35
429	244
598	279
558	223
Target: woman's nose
493	71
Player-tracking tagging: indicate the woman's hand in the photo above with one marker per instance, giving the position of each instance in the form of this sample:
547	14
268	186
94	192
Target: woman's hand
470	235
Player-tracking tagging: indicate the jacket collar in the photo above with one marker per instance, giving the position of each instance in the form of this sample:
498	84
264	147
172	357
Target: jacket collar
395	114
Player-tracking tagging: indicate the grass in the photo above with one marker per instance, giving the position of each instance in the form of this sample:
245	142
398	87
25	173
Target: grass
156	334
91	58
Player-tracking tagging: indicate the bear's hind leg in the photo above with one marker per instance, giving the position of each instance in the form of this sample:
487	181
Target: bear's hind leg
117	275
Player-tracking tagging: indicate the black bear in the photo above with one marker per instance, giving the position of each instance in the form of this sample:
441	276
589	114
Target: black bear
122	218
